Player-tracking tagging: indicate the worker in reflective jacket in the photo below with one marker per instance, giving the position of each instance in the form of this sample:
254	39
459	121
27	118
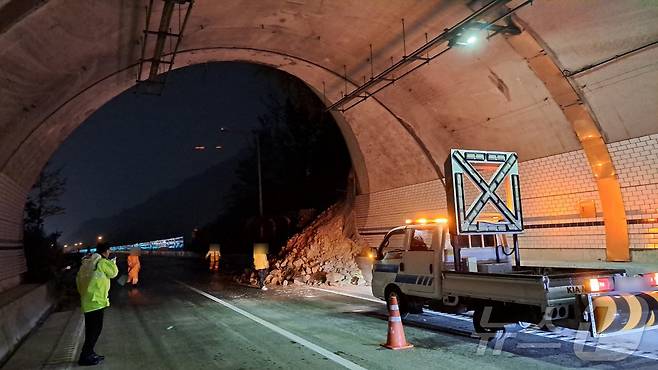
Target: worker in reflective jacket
261	264
133	266
213	255
93	282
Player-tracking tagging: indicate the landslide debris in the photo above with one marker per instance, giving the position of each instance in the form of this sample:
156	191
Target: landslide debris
323	253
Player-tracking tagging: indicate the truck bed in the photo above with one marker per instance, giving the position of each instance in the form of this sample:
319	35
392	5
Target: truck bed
530	285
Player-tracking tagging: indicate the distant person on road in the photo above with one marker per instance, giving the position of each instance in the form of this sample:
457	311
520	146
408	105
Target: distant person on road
261	264
93	282
133	266
213	256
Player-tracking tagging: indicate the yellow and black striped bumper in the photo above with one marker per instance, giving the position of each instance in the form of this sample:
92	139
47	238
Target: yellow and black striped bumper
615	312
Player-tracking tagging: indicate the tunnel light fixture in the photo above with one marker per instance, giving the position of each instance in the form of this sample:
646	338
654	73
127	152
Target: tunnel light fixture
199	147
467	37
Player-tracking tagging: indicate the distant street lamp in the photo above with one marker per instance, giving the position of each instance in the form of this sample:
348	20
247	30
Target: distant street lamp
100	238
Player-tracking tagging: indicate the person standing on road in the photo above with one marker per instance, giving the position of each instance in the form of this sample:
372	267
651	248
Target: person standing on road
93	282
213	255
261	264
134	266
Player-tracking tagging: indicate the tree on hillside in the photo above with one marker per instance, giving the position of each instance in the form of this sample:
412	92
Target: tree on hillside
305	164
43	200
41	249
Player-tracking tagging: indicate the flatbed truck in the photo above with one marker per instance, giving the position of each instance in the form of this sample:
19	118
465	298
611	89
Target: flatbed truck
416	263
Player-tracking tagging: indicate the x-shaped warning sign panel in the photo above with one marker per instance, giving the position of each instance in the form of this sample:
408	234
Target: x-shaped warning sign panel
465	218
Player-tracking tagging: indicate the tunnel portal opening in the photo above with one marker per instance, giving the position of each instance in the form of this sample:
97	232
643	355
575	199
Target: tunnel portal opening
282	160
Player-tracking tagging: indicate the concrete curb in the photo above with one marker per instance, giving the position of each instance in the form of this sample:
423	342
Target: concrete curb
20	315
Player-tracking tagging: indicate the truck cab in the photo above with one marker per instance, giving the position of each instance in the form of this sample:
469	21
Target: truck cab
408	262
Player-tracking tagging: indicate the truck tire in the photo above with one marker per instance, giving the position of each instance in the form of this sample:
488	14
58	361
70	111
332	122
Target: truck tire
402	300
414	306
488	328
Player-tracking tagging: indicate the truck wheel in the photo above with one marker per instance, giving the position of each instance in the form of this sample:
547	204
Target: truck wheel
415	307
402	300
487	328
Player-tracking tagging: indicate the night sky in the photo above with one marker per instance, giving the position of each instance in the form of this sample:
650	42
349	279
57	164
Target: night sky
136	145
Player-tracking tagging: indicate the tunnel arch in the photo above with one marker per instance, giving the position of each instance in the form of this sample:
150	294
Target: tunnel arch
25	165
51	57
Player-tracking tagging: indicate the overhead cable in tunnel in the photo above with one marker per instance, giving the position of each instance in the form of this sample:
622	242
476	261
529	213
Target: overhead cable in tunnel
460	34
568	73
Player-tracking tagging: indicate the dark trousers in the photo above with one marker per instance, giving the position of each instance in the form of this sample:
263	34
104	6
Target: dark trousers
93	328
262	274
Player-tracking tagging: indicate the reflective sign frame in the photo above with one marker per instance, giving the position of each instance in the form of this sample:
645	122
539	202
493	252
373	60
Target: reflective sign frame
464	219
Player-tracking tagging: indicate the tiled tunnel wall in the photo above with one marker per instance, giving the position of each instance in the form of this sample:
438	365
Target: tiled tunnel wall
636	162
553	189
12	261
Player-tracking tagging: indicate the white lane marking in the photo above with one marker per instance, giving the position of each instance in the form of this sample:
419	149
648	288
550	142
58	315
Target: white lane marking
349	295
567	338
313	347
452	316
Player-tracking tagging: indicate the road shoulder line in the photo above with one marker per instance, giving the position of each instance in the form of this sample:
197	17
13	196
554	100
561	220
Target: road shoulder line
313	347
348	295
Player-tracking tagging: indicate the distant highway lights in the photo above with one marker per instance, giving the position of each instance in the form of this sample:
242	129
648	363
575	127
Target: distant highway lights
200	148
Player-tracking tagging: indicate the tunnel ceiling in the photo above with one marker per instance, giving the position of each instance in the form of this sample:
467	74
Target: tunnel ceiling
61	60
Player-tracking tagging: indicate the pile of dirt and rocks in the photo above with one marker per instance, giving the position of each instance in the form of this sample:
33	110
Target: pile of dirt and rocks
323	253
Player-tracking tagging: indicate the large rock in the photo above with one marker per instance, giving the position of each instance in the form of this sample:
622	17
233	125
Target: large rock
334	277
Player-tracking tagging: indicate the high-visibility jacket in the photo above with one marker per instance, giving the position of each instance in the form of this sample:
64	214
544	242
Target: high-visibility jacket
133	263
133	268
260	261
93	281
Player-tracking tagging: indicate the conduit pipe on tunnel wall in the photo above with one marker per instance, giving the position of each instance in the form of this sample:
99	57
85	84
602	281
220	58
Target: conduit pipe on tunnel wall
572	104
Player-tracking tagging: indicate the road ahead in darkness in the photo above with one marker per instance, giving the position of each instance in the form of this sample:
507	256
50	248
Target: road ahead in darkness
182	317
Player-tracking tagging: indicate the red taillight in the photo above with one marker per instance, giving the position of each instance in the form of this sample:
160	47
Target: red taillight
599	285
651	278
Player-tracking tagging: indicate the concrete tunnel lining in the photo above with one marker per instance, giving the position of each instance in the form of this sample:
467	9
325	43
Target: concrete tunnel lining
75	110
49	58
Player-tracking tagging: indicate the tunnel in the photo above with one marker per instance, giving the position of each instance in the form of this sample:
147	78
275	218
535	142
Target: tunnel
572	90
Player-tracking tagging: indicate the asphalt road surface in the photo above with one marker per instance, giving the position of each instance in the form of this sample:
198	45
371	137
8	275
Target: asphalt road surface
182	317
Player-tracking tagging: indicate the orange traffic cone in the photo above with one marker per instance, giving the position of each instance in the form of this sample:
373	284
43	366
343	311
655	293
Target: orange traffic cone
395	339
